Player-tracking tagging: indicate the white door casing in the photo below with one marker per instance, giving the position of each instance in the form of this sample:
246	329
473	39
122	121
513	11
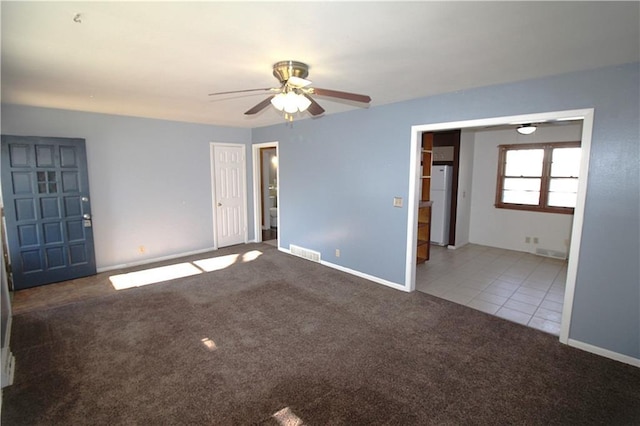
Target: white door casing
257	195
228	180
586	115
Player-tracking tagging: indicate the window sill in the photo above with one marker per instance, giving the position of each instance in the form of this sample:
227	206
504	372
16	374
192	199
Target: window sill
536	209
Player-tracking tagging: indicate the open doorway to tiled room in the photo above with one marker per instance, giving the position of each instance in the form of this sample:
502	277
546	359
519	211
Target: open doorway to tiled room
517	286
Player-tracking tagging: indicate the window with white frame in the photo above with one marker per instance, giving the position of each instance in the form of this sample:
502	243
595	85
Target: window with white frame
539	177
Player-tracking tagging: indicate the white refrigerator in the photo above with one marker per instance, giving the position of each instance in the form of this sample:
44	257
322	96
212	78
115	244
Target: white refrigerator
441	197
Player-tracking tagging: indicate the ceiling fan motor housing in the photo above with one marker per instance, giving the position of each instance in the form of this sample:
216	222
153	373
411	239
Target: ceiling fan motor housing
284	70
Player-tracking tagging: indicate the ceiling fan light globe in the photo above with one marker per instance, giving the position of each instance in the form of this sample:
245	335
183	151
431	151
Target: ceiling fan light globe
291	109
279	101
290	102
303	103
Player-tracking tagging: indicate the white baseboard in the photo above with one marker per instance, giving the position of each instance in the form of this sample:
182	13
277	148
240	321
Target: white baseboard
356	273
156	259
604	352
456	247
365	276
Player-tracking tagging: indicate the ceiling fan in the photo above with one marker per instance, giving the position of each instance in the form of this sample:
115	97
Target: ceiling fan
294	93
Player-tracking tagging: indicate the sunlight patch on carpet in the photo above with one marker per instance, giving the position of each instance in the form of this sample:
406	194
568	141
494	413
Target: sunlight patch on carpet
209	344
251	255
153	276
179	270
216	263
286	417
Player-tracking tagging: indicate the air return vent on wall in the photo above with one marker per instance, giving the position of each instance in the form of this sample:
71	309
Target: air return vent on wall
304	253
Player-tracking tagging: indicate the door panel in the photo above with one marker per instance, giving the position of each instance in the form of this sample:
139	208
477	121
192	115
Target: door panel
229	193
45	189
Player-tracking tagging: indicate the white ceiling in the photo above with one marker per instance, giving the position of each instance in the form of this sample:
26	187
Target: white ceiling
162	59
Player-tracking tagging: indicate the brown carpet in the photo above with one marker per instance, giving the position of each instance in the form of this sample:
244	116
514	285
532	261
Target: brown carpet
281	340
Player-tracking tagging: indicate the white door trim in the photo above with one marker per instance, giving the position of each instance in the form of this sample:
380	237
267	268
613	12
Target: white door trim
586	115
257	194
214	201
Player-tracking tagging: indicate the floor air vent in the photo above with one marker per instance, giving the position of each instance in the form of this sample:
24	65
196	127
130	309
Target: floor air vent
304	253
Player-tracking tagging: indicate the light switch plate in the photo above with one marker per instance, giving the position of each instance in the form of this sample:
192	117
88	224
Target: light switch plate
397	201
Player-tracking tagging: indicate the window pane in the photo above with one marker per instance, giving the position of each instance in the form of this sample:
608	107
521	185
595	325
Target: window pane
565	162
521	191
564	185
562	192
562	199
522	184
521	197
524	162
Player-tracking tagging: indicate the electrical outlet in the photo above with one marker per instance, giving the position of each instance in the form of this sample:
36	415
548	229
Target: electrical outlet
337	252
527	240
535	240
397	201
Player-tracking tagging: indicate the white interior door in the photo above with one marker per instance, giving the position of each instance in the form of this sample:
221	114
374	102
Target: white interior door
229	198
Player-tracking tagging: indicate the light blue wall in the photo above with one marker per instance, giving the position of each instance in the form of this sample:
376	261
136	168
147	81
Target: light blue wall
150	180
150	183
338	175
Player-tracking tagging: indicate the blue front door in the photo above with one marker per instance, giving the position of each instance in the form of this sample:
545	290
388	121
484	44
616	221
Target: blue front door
45	189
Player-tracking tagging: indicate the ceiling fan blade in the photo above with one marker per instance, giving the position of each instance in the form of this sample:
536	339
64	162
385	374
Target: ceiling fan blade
342	95
241	91
314	108
262	105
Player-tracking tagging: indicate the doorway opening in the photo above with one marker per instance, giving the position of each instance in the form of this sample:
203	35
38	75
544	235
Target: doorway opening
266	192
515	266
586	115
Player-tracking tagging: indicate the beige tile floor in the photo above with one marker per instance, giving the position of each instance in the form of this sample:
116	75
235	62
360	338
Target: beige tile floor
520	287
